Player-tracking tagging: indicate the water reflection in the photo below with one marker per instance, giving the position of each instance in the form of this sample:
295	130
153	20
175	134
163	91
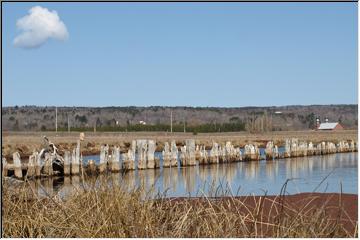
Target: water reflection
250	177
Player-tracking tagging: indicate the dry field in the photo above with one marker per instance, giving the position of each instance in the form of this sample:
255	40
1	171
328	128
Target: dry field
26	142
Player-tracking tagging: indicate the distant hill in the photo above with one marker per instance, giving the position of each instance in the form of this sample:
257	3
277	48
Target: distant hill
33	118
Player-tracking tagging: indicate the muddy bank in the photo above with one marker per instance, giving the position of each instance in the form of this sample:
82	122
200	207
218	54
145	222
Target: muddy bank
335	208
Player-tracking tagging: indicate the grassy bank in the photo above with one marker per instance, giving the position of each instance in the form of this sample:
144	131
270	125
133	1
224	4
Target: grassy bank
112	212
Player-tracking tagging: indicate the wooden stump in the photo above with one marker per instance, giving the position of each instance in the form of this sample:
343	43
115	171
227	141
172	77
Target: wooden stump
166	156
141	147
31	165
38	165
48	168
151	154
17	165
5	167
190	152
214	154
115	163
67	163
75	160
173	154
102	164
91	167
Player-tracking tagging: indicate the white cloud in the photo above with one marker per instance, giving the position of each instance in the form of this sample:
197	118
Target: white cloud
38	26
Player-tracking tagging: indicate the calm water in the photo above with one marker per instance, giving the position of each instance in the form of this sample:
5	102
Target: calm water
320	173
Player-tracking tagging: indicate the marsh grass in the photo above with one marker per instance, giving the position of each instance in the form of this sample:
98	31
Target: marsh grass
111	211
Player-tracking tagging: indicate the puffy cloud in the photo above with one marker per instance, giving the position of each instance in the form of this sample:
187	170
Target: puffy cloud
38	26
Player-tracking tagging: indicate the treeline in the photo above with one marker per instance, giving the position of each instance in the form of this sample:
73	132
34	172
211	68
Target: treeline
203	128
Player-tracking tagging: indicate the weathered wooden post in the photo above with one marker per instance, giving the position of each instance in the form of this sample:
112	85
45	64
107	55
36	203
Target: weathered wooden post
287	152
255	155
276	152
197	153
310	150
269	155
323	148
75	161
48	169
221	154
38	165
4	167
17	165
31	165
141	147
229	152
238	155
102	164
115	160
190	151
151	145
129	157
166	155
352	146
173	154
183	158
91	166
67	163
318	149
302	149
202	157
214	153
294	147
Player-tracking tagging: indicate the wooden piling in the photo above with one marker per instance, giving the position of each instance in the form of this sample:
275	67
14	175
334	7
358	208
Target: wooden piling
214	154
173	154
287	152
102	164
48	168
269	155
166	155
75	160
91	167
4	167
141	148
183	159
67	163
17	165
38	165
190	151
115	162
151	154
31	165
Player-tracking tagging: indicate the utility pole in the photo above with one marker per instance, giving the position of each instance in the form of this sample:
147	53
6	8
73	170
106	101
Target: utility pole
68	123
56	119
171	120
184	125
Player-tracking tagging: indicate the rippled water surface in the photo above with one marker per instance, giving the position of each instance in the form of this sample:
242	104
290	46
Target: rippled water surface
326	173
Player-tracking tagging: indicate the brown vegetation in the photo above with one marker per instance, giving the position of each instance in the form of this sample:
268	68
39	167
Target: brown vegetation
112	212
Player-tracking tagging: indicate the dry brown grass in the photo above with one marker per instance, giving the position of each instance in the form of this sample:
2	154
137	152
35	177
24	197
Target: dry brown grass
112	212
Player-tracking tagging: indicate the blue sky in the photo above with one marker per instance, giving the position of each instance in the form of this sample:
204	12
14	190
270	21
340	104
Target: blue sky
185	54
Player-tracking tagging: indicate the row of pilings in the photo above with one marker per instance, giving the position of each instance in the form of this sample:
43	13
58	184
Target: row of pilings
141	155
